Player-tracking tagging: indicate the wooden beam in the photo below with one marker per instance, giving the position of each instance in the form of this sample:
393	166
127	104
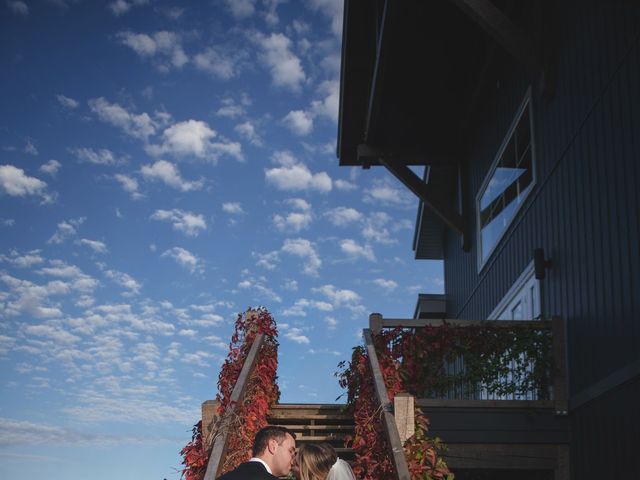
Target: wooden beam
489	404
414	183
216	458
382	46
560	391
388	420
454	322
369	156
507	34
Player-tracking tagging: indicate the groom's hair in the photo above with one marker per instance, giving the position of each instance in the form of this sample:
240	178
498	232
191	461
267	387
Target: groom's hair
269	433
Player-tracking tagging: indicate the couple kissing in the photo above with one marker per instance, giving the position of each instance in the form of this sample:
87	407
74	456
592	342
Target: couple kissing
274	455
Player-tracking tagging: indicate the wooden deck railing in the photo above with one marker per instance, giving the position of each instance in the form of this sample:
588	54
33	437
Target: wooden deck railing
388	418
555	326
218	452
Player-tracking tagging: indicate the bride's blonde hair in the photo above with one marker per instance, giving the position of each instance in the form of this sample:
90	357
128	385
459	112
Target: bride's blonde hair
315	460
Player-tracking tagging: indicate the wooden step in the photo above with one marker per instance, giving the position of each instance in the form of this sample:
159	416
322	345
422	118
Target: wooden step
316	423
306	427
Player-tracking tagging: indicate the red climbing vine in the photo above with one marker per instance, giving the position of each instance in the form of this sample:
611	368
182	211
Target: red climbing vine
261	394
499	360
373	462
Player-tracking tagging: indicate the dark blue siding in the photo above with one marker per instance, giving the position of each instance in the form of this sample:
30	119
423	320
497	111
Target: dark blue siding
585	213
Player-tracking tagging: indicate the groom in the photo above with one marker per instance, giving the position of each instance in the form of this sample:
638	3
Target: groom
274	449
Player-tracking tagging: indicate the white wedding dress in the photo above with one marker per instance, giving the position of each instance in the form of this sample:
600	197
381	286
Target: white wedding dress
341	471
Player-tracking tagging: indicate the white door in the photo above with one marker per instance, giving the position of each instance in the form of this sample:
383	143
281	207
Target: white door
523	301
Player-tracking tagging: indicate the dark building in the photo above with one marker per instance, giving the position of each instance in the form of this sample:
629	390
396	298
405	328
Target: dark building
526	116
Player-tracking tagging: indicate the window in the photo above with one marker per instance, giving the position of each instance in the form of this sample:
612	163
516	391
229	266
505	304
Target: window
508	183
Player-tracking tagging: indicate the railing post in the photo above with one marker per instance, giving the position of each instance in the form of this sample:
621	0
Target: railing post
375	323
388	420
404	413
209	418
560	365
218	451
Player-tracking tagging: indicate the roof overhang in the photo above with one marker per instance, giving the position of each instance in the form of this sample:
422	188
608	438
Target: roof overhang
413	72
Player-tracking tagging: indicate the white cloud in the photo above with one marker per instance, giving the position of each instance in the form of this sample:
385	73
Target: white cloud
295	335
15	183
298	308
388	285
328	106
30	148
140	126
294	221
18	7
67	102
231	109
101	156
382	191
344	185
248	131
267	260
126	281
331	323
292	175
291	285
51	167
66	229
79	280
232	208
120	7
169	174
304	249
19	432
218	62
241	8
95	245
191	224
129	184
193	138
314	351
131	405
355	250
299	122
52	332
341	216
185	259
32	299
285	67
332	9
375	228
338	297
164	47
271	14
259	288
27	260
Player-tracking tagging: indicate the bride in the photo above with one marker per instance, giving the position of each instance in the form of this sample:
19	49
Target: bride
319	461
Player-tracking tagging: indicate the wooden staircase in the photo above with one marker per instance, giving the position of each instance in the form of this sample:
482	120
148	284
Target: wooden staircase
316	423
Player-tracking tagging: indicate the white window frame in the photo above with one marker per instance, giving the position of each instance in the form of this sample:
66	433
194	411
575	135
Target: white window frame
526	101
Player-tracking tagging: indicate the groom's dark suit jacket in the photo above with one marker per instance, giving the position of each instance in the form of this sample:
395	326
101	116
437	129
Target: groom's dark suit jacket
248	471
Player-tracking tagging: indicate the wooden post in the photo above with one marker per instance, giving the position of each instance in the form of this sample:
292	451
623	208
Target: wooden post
404	413
375	323
209	418
563	466
218	451
560	382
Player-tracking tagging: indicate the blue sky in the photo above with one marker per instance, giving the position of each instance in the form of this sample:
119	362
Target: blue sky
164	165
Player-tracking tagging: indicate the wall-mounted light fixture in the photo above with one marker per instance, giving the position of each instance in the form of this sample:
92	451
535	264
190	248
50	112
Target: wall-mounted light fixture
540	264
